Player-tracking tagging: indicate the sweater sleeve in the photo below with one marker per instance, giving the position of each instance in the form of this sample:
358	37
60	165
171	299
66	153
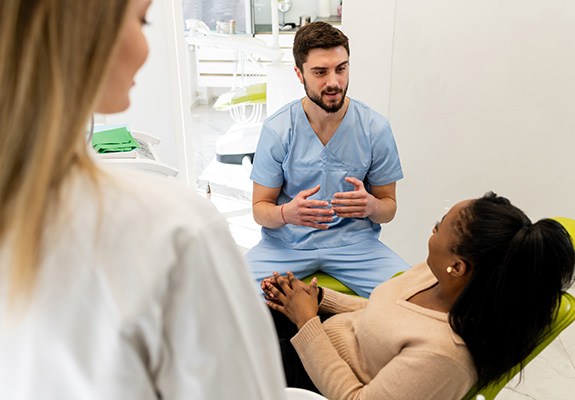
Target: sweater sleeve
411	375
334	302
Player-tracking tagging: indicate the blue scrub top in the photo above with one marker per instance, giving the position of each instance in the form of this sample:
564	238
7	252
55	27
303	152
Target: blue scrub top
289	154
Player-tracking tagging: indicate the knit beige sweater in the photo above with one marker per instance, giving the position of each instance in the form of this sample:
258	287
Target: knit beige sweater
385	348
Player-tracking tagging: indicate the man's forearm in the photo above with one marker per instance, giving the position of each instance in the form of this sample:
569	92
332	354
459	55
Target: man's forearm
268	215
385	210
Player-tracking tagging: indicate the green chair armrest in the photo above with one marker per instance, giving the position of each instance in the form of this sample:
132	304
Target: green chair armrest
328	281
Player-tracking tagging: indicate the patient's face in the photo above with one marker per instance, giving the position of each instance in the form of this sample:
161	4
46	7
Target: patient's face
130	54
443	239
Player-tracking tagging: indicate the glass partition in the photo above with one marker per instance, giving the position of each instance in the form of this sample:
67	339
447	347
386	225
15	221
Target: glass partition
216	12
295	11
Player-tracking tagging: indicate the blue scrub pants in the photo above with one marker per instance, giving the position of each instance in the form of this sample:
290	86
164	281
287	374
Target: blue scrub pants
361	266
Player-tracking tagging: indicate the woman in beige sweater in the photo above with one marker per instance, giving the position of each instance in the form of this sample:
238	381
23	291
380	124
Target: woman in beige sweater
460	318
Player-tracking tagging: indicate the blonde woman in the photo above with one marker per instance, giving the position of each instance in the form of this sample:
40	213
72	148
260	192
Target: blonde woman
113	284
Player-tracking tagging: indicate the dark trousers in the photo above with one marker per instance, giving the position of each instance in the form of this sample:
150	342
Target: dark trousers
295	373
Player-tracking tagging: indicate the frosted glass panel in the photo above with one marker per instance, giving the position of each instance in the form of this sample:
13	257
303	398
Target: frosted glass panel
212	11
261	11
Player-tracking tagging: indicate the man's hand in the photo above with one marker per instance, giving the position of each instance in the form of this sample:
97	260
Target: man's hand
304	212
357	203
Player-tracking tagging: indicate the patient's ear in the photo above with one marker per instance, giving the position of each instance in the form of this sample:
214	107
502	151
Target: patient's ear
460	267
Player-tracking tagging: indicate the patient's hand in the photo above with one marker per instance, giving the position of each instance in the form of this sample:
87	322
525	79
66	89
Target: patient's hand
273	281
292	297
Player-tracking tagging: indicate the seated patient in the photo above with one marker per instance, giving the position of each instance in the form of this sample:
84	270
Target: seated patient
477	307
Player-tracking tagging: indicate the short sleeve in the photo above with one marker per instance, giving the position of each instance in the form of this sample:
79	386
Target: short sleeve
270	154
385	166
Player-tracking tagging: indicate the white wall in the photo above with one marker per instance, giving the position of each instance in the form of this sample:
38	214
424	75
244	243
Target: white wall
370	36
161	99
480	97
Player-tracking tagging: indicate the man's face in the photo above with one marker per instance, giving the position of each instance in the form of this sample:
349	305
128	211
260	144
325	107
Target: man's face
325	77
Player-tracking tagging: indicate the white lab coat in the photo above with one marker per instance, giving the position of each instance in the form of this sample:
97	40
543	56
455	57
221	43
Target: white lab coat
142	294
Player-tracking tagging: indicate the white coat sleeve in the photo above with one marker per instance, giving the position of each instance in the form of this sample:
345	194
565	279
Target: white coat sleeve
218	339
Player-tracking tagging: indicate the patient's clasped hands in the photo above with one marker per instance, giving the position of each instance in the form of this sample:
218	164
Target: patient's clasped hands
295	299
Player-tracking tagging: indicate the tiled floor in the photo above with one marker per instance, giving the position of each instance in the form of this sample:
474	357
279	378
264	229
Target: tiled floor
550	376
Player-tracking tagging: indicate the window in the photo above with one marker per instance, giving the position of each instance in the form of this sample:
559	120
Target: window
212	11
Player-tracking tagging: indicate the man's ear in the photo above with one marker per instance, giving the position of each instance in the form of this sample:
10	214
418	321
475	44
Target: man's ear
299	74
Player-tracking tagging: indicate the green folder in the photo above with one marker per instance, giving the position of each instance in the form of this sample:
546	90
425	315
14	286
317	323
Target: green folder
113	141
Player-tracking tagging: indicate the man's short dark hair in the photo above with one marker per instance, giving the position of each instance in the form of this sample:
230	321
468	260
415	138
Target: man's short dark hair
317	35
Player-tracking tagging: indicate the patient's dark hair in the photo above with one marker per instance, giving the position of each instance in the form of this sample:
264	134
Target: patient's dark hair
317	35
518	272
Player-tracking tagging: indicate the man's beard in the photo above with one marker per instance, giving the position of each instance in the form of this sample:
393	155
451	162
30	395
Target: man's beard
317	99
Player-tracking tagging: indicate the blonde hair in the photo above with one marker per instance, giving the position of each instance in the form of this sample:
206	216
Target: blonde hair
53	57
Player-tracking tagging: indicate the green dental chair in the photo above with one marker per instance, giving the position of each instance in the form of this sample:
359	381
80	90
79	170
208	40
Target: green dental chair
565	316
328	281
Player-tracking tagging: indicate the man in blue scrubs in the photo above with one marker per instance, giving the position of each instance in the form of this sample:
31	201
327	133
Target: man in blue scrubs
324	175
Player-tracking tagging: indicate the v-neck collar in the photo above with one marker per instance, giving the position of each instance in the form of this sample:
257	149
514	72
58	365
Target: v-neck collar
413	290
331	143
